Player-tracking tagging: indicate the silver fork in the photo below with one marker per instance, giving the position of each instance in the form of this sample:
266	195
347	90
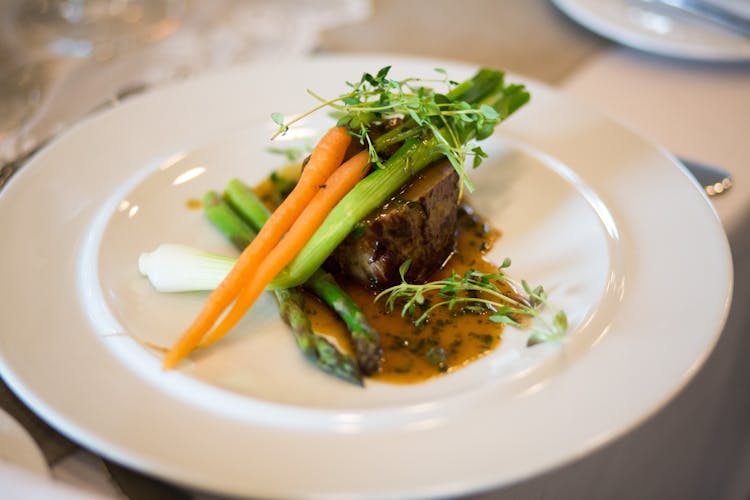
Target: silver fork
714	180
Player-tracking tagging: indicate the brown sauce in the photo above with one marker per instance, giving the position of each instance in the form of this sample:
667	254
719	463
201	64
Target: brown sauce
193	204
274	188
448	340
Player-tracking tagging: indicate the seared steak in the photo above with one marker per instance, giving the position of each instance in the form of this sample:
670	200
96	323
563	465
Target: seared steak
417	224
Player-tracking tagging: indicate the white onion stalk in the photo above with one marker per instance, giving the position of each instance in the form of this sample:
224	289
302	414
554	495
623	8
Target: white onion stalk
180	268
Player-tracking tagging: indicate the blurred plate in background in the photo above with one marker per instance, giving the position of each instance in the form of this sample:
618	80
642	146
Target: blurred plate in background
642	25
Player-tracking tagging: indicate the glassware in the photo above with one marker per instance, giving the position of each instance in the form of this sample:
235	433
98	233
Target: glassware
21	95
42	42
82	28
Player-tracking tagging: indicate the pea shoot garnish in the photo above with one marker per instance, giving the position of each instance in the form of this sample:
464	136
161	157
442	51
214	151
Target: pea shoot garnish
450	117
479	293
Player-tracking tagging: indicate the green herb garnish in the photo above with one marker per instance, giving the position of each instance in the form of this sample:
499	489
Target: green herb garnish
448	116
480	293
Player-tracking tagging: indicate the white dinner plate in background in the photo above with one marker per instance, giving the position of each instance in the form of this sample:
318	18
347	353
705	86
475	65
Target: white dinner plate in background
637	24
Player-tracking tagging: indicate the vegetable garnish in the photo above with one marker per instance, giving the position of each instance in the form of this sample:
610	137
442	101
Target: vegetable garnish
173	267
478	292
326	157
338	184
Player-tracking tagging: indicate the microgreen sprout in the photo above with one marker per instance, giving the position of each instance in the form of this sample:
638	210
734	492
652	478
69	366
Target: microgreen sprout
480	293
278	119
447	116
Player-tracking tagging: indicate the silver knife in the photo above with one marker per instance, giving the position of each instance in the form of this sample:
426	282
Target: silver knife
712	12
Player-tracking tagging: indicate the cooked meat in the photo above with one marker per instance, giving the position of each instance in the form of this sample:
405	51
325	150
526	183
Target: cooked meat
418	224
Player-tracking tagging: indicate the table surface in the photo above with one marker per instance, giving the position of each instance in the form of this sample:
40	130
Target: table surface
698	446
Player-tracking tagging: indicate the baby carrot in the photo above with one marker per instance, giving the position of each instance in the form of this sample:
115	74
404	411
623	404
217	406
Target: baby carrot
325	158
336	187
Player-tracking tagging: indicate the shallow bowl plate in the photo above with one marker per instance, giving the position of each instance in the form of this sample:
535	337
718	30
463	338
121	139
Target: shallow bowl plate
645	283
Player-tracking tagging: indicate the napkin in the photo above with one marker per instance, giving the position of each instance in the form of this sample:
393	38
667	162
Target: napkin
16	482
17	448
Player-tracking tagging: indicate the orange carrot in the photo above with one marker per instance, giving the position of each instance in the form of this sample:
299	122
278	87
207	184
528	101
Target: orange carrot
336	187
325	158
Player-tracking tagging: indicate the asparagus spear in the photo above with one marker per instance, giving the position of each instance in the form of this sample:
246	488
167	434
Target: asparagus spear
291	302
365	339
315	347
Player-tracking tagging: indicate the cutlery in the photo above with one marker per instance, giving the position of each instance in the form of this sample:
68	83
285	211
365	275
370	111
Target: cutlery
714	180
710	12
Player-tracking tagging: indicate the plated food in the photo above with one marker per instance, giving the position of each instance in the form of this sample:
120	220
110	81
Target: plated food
560	182
390	230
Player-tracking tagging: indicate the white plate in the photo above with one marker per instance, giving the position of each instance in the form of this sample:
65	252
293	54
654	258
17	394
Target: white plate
640	26
643	273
